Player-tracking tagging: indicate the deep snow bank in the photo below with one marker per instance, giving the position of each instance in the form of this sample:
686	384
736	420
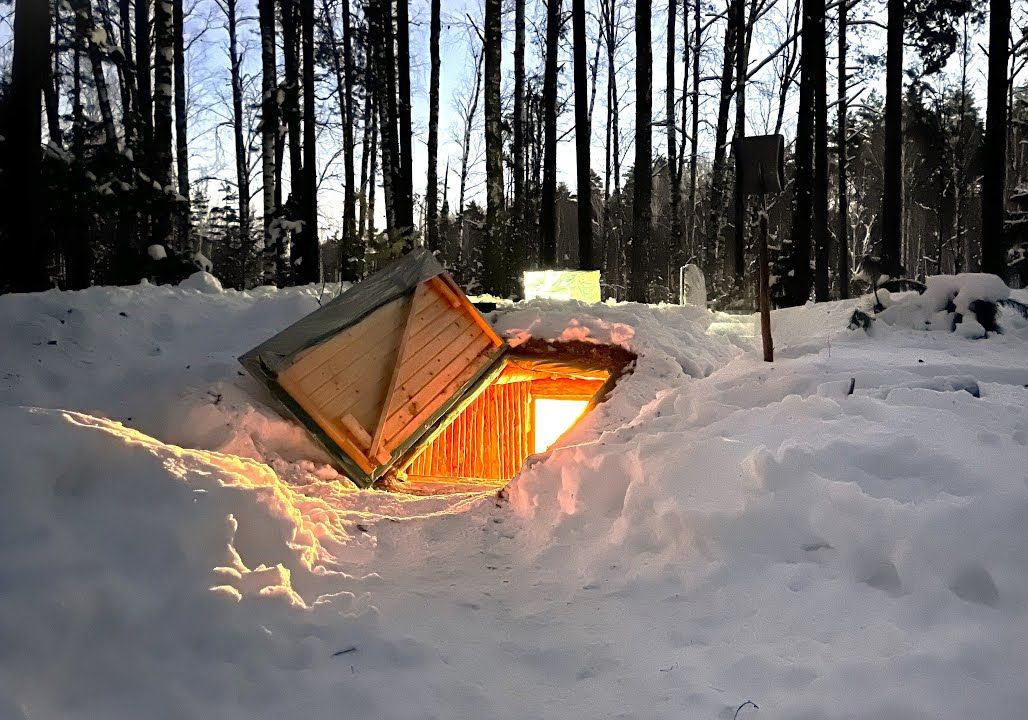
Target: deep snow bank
720	530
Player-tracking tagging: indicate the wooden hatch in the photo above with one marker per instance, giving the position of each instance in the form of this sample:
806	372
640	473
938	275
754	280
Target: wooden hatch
371	374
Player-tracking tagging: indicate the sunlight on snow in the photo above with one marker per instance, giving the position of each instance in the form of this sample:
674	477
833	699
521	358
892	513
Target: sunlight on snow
328	520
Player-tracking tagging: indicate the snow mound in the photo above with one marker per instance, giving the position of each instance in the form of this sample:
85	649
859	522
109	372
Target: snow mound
202	281
951	303
140	578
837	535
157	252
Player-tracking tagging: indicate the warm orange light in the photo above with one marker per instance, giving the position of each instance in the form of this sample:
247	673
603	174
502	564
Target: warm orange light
553	417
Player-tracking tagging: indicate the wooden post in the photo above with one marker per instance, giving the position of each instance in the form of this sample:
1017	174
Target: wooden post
761	162
765	299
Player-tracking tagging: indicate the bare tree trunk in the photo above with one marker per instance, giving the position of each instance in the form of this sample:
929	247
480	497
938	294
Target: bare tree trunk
695	132
642	212
717	170
822	258
291	115
405	176
368	143
85	27
994	246
372	171
844	212
164	54
741	62
309	251
385	68
548	204
274	249
26	267
465	159
519	234
789	71
962	254
181	124
673	161
432	190
52	83
242	168
583	137
344	91
798	282
606	14
144	94
349	211
492	258
892	198
129	101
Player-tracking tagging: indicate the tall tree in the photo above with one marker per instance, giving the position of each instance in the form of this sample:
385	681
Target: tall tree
432	189
144	94
290	110
994	247
718	166
819	71
343	68
309	251
238	125
642	212
495	211
383	36
128	101
164	55
52	82
548	203
519	251
468	113
85	28
518	148
892	197
741	62
673	162
274	249
799	281
695	130
614	264
181	122
583	137
843	239
22	171
405	176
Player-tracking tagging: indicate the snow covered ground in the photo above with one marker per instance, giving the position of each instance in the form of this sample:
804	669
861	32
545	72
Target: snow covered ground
719	531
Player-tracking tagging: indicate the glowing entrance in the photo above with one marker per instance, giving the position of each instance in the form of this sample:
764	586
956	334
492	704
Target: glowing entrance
542	390
553	417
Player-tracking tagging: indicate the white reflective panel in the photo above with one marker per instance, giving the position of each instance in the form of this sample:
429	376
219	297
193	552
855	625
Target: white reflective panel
581	285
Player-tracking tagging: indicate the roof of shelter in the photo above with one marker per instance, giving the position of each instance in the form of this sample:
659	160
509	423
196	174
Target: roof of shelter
394	280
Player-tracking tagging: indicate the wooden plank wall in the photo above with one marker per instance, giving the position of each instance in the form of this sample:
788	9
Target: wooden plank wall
489	441
375	383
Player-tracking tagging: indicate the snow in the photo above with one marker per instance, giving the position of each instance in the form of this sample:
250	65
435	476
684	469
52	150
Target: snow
157	252
202	281
945	305
719	531
202	262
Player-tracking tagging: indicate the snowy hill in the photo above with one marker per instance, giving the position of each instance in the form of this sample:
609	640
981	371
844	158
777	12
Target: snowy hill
718	531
